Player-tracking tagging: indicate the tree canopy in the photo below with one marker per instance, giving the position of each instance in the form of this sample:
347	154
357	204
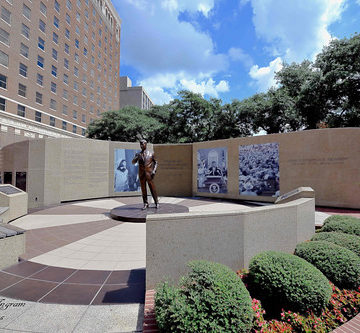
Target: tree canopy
325	92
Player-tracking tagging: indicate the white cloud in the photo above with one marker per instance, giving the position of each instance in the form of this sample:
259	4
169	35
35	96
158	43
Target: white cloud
163	87
298	29
237	54
295	30
264	76
169	54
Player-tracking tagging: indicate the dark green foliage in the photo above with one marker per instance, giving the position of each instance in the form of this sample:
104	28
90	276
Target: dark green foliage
286	281
340	265
211	298
342	223
351	242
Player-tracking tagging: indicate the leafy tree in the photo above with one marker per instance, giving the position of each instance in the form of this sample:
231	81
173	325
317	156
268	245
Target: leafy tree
340	65
127	124
303	83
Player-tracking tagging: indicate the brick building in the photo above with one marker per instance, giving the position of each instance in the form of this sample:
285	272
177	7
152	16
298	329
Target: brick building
59	66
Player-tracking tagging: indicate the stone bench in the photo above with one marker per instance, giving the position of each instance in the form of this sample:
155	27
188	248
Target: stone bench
12	244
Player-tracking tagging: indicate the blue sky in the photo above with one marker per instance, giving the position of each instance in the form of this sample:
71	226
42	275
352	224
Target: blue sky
228	49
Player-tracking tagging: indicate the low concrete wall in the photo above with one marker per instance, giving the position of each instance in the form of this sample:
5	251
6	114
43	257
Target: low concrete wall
10	250
17	203
231	238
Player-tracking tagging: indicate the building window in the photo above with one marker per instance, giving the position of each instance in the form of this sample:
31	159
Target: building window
83	132
52	121
56	22
66	79
78	16
42	8
84	78
66	63
2	104
26	11
25	31
83	118
41	44
39	98
78	3
76	57
77	43
77	29
6	15
42	26
67	33
65	110
22	90
4	37
38	116
40	61
55	38
85	52
68	4
85	65
65	94
23	70
75	100
74	129
76	86
67	48
75	114
54	54
3	81
53	87
39	79
86	27
53	70
64	125
84	92
86	13
21	110
4	59
57	6
67	18
76	71
52	104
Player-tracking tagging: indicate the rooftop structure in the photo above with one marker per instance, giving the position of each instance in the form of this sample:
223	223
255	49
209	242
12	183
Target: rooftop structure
136	96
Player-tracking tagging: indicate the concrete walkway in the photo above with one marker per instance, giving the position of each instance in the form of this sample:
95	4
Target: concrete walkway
82	271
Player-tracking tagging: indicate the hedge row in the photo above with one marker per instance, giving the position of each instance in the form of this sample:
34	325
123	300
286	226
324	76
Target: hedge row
342	223
340	265
211	298
281	278
351	242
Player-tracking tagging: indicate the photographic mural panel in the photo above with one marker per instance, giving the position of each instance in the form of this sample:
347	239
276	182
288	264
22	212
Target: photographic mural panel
259	169
212	170
126	176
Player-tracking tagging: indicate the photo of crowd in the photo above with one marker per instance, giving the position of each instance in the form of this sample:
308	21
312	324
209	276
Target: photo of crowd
126	177
212	170
259	169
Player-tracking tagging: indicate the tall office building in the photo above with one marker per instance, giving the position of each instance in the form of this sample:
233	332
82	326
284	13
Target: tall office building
59	65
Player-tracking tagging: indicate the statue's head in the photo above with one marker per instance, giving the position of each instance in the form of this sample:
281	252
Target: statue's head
143	144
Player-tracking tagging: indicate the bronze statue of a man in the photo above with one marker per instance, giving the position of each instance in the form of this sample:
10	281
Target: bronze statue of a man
147	170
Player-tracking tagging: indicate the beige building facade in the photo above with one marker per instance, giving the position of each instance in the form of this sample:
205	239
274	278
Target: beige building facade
57	170
59	66
136	96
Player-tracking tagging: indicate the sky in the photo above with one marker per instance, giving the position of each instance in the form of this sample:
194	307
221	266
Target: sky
227	49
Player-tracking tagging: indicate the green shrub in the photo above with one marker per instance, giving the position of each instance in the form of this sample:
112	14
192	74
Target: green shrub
211	298
342	223
351	242
288	281
340	265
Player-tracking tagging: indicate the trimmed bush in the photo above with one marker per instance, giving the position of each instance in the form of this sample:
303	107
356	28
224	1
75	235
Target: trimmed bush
342	223
340	265
351	242
289	282
211	298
